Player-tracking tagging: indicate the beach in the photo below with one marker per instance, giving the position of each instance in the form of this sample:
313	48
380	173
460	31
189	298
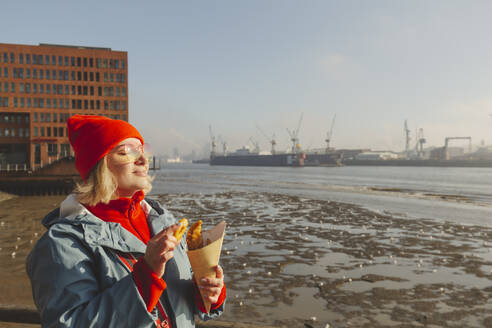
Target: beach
291	261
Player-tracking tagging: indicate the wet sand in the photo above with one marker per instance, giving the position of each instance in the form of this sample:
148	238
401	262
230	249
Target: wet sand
291	261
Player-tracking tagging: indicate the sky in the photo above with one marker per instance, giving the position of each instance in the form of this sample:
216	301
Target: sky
241	66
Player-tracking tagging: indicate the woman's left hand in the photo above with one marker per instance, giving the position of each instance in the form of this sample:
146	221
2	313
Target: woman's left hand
211	287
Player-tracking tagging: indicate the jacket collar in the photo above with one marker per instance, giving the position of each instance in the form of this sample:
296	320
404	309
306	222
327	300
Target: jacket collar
96	231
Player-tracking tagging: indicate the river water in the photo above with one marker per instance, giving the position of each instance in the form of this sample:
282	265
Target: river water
461	195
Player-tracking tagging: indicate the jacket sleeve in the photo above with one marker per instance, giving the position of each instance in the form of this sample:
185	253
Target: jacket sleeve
67	292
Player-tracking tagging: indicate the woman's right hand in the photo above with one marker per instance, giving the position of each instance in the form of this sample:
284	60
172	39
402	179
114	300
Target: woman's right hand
160	250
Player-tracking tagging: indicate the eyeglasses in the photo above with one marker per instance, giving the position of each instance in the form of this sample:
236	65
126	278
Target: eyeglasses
127	153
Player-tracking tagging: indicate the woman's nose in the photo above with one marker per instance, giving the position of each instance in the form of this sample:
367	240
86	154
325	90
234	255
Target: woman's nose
142	159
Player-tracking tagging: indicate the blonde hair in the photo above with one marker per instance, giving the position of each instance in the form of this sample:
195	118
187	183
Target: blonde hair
100	185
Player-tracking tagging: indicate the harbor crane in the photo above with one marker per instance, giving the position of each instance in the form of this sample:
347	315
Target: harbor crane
296	147
419	145
255	144
271	139
221	141
407	138
329	134
446	144
212	139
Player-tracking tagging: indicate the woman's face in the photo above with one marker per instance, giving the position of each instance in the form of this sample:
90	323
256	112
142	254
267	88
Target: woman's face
129	166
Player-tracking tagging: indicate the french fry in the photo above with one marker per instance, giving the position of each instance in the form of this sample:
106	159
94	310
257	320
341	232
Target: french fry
183	224
194	237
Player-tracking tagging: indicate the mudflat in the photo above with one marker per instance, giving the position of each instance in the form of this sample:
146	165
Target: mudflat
292	261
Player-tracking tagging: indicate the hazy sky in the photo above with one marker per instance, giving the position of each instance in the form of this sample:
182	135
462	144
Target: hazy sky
238	64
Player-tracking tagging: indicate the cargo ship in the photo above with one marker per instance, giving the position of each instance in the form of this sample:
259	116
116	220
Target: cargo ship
244	157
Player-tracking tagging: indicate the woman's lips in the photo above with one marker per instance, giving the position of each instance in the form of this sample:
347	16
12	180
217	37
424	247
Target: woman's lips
141	173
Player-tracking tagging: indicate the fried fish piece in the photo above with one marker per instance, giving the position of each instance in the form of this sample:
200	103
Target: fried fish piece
183	224
194	237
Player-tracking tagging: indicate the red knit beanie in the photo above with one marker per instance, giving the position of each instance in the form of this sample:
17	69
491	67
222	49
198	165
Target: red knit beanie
92	137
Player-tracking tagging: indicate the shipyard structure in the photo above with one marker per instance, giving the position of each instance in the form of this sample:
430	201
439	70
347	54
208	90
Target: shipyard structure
41	86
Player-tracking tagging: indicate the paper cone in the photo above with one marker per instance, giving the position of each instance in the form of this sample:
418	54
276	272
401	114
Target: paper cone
204	260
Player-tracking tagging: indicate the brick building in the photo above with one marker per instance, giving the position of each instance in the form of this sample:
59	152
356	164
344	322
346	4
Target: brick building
42	86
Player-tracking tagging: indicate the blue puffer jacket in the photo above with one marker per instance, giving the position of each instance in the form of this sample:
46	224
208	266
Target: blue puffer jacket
77	281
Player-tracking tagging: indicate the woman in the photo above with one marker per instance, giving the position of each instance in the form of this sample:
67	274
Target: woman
109	257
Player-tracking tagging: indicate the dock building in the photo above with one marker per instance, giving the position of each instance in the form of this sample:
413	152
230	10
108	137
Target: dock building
41	86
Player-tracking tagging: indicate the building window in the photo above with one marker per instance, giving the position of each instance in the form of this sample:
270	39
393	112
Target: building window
28	73
66	60
60	132
67	89
48	88
85	61
105	63
42	131
111	77
41	74
52	149
92	104
79	61
12	58
60	75
86	104
36	105
22	102
35	131
105	104
79	90
47	59
91	76
72	75
91	62
34	88
12	87
41	88
53	74
85	90
21	58
28	87
48	132
15	102
28	59
5	72
99	91
53	60
34	73
85	76
60	61
54	104
97	76
67	103
55	132
29	103
40	59
122	64
79	76
48	74
91	90
5	87
123	92
5	57
48	103
72	61
41	104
